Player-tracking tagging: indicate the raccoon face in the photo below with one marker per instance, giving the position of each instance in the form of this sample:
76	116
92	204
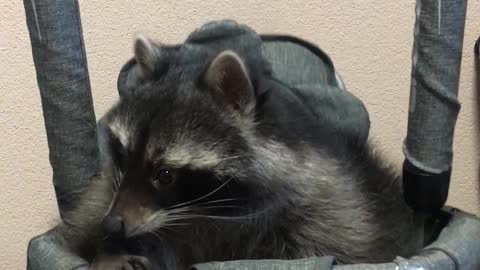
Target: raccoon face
178	142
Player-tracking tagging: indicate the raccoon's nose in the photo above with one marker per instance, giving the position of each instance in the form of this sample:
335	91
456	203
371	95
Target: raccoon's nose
114	225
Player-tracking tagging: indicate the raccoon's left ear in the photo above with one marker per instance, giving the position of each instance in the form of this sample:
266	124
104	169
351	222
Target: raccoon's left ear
228	80
150	61
148	55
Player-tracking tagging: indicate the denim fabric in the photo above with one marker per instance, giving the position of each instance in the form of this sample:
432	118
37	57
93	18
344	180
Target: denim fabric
314	263
62	75
434	106
312	77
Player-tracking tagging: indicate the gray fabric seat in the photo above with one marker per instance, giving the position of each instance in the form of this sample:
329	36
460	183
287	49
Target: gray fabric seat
311	75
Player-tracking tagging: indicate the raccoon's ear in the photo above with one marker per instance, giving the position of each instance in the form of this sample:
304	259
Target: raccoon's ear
151	59
227	77
148	56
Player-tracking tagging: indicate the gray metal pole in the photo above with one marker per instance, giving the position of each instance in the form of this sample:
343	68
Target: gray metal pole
434	106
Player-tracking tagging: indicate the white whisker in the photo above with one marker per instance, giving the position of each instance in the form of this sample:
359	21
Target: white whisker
203	197
194	207
218	201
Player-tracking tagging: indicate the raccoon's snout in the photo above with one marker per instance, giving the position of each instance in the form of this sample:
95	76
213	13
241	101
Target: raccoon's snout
114	225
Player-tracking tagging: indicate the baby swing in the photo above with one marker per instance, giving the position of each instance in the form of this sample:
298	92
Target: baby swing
450	236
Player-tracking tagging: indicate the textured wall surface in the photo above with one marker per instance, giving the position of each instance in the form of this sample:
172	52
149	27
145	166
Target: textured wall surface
370	42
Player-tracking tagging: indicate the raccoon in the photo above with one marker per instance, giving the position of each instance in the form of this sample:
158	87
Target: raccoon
209	162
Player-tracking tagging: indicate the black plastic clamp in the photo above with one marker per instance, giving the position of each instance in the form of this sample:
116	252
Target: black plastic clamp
423	191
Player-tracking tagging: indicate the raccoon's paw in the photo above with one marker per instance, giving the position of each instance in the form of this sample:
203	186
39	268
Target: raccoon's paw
121	262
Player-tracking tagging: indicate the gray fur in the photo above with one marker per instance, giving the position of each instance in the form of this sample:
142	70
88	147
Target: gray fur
310	192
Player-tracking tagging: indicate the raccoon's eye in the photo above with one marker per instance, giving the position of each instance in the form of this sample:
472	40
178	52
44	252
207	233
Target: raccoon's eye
163	177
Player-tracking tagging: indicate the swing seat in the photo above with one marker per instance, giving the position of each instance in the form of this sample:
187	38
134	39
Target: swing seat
454	236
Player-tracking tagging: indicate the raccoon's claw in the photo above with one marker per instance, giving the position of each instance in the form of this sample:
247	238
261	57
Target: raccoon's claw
121	262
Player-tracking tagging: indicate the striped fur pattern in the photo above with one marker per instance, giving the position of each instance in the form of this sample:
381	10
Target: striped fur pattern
204	168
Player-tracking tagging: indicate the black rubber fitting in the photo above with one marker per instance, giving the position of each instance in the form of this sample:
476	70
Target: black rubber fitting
425	192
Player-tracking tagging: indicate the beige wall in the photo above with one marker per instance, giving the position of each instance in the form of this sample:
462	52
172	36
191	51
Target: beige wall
370	44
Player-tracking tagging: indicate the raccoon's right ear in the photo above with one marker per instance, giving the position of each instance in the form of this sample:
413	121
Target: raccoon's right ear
228	80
